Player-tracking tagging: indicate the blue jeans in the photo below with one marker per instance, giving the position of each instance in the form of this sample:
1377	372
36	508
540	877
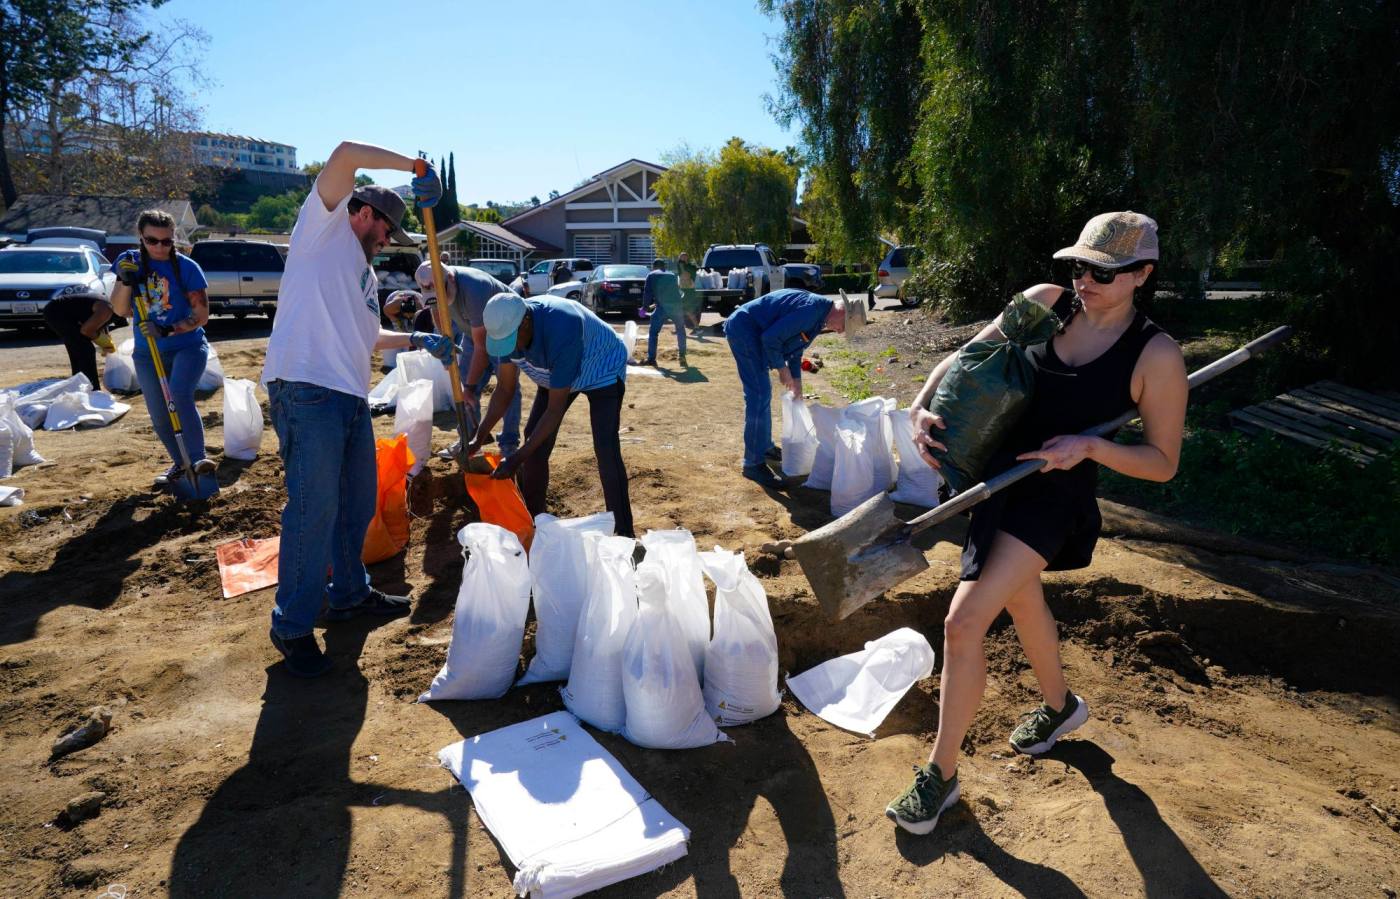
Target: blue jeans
327	447
509	438
183	369
659	318
747	347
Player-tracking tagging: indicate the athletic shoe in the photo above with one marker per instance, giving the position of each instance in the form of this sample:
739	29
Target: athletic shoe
918	808
774	454
173	473
377	603
684	364
763	477
1039	729
302	656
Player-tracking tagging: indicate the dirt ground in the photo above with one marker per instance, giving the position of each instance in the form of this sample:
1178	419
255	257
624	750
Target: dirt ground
1244	736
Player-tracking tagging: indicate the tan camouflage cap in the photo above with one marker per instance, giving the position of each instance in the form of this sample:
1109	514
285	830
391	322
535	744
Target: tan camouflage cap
1115	239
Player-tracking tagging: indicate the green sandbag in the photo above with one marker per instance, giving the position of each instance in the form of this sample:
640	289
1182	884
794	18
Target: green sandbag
986	391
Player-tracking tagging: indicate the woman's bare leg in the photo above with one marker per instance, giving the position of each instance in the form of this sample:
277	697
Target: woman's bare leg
1010	566
1040	640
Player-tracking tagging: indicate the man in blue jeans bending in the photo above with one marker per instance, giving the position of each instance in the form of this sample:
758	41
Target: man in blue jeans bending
317	380
770	333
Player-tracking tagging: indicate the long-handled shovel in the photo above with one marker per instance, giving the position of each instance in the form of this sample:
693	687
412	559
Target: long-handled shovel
190	485
867	551
442	319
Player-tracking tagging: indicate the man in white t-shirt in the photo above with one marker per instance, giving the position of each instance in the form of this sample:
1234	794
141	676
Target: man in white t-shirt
317	380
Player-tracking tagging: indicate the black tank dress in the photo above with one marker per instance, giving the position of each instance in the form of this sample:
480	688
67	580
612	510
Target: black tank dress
1056	513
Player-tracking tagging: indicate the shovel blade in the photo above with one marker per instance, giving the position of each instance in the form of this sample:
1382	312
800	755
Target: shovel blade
193	487
858	557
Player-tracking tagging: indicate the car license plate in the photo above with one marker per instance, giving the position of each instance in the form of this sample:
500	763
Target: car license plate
25	308
242	301
634	291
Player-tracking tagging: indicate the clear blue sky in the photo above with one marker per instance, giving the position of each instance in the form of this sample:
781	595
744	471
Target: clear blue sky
531	95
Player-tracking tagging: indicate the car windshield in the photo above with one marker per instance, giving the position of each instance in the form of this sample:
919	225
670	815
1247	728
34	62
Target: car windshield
27	262
624	271
732	258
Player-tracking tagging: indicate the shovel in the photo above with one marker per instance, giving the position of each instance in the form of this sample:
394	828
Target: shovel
867	551
442	320
190	485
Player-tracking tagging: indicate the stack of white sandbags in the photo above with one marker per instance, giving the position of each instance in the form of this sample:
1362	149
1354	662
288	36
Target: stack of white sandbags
855	455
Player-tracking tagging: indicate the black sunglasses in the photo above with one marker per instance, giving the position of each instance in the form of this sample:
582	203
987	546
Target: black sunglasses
158	241
1078	268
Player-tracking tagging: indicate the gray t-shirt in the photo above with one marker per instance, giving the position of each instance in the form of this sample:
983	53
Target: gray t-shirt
474	288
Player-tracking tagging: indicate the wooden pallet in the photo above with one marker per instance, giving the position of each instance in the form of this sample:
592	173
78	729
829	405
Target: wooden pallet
1357	424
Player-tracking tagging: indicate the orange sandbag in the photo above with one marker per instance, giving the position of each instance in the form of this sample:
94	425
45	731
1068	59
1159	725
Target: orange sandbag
500	502
247	565
388	532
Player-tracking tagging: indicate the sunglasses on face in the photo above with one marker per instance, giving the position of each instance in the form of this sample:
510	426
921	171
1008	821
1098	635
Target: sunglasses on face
157	241
381	217
1078	268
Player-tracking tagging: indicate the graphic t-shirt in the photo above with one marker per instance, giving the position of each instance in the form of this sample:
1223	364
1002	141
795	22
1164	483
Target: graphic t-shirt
328	307
167	301
571	347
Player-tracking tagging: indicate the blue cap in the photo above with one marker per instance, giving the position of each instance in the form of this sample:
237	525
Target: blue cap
502	317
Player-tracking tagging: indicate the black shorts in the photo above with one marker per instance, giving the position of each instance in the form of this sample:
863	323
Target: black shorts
1062	526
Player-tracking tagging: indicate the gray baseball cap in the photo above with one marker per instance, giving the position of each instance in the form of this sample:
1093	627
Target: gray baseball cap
388	204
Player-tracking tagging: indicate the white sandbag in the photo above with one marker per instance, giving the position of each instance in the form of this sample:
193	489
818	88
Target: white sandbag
918	481
738	279
854	479
390	358
213	377
10	496
83	408
685	581
489	622
16	438
857	691
413	415
629	336
799	437
385	394
119	370
824	419
594	690
741	662
33	398
873	412
559	572
243	419
422	364
665	707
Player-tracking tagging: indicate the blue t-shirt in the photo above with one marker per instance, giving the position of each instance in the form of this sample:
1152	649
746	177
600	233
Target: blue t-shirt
571	347
166	300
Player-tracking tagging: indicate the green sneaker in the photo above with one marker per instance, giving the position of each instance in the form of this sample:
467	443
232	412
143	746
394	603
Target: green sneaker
918	807
1039	729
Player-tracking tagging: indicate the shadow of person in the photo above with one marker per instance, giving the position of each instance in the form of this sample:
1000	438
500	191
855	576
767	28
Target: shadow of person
689	375
960	833
1166	866
87	570
281	825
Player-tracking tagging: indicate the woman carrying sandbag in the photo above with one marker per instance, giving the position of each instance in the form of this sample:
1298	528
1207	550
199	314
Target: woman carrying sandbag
1105	358
173	285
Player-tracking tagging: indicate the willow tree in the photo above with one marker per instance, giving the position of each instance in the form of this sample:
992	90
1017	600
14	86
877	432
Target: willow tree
988	131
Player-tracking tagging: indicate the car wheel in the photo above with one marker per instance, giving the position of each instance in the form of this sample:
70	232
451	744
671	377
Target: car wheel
907	301
271	314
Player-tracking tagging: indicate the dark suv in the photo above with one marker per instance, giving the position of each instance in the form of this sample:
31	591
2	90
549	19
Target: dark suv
244	275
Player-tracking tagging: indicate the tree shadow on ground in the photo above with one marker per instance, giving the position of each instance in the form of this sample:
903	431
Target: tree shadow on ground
1167	867
281	824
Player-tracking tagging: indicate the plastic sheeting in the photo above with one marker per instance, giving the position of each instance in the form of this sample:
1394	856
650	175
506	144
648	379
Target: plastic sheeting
857	691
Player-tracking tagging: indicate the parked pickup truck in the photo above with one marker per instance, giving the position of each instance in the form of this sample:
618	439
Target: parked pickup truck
765	274
244	275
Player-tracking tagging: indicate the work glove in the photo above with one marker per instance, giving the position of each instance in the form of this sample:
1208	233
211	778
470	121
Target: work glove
128	272
427	189
436	344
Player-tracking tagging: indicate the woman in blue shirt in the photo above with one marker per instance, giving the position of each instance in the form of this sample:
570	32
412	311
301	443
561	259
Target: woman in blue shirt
174	289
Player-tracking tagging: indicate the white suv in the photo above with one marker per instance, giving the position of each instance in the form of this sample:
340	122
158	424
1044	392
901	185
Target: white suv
30	276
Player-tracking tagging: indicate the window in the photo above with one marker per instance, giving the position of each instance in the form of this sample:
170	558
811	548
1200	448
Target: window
541	269
640	249
597	247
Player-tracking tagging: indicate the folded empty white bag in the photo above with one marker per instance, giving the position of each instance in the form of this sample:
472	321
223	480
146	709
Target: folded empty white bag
565	812
488	624
413	415
243	419
665	707
741	662
559	572
213	377
799	439
857	691
594	690
16	439
32	400
873	413
675	550
824	419
854	480
83	408
917	483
